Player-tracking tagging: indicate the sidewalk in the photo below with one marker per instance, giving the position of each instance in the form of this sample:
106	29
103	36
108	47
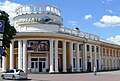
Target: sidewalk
101	76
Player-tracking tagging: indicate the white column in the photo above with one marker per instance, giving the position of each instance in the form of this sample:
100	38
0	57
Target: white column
109	59
102	60
29	61
46	61
71	56
56	55
91	57
112	60
95	56
51	56
19	54
115	59
24	55
105	58
99	58
85	57
3	63
64	56
12	55
78	56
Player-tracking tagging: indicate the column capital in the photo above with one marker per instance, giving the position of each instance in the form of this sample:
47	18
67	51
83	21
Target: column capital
19	40
24	40
51	40
12	41
56	40
64	41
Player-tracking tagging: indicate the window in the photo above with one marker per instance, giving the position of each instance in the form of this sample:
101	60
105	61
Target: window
34	59
43	64
80	62
73	46
36	64
32	64
42	59
21	71
97	49
103	51
88	48
73	62
11	71
93	49
80	47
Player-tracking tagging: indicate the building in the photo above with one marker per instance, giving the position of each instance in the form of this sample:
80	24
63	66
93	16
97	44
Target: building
42	44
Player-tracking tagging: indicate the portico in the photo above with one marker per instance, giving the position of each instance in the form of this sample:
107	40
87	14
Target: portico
24	55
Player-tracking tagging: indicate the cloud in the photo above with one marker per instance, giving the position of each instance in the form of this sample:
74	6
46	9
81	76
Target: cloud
87	17
73	22
106	1
115	39
110	11
108	21
9	7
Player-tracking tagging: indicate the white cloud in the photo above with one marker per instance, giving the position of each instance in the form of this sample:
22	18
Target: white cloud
108	21
87	17
9	7
73	22
106	1
115	39
110	11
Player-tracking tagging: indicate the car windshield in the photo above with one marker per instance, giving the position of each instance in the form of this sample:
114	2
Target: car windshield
19	70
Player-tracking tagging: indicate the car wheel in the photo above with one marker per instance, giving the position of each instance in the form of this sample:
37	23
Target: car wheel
13	77
2	76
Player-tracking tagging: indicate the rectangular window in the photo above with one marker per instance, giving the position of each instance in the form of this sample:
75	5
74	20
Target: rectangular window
93	49
42	59
32	64
43	64
103	51
80	62
80	47
73	46
73	62
34	59
36	64
88	48
97	49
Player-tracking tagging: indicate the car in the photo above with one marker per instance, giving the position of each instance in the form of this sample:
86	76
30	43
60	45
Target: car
14	74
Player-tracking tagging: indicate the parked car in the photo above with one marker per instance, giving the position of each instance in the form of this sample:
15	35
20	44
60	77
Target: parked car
14	74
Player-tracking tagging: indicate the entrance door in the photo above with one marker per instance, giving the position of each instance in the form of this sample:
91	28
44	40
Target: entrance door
89	66
97	64
40	66
34	66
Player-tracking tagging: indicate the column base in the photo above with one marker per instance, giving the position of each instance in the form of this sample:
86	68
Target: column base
78	70
64	71
56	72
51	71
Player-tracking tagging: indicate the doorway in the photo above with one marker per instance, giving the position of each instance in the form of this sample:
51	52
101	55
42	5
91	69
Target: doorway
89	66
38	64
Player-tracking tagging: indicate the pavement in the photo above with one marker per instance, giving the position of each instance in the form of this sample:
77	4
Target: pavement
101	76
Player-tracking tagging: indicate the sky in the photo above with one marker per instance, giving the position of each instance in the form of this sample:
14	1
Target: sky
100	17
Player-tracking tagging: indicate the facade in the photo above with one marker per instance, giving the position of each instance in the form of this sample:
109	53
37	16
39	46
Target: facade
42	44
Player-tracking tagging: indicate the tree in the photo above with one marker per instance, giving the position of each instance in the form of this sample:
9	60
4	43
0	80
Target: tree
9	31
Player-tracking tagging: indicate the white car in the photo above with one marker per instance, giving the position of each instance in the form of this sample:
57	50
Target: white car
14	74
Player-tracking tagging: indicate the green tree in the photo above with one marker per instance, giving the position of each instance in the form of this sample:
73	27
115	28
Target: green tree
9	31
